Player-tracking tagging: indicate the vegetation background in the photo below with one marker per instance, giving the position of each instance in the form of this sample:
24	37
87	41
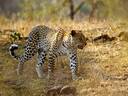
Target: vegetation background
103	64
61	9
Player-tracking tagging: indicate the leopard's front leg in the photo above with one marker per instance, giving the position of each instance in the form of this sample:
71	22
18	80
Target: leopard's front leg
51	64
53	52
73	63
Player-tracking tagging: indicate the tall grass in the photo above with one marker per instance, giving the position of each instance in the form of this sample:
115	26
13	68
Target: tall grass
95	60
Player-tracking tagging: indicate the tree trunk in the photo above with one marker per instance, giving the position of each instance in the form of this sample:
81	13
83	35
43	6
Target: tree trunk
93	11
71	9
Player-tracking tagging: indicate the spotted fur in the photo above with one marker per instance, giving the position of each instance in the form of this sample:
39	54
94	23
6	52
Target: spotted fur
43	41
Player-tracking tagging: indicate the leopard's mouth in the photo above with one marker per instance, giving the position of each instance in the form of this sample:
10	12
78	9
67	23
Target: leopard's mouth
80	46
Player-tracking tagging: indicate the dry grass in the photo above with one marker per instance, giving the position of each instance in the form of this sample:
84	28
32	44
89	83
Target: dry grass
102	66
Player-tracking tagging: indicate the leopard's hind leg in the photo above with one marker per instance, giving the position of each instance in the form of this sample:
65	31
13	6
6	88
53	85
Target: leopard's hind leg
41	60
29	52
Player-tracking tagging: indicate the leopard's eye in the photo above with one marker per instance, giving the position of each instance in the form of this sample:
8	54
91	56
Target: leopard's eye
80	39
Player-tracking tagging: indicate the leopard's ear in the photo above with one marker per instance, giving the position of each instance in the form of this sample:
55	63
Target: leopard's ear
73	32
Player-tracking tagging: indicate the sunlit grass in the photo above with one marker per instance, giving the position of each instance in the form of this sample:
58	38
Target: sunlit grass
109	59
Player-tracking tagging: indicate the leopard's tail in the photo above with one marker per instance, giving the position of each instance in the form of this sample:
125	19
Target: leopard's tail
12	49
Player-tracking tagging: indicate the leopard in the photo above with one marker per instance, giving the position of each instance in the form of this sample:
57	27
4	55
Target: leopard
45	41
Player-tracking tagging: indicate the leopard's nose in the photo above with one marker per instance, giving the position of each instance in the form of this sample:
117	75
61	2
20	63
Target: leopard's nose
87	39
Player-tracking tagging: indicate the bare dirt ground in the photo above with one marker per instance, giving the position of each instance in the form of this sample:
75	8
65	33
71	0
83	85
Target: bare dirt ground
103	67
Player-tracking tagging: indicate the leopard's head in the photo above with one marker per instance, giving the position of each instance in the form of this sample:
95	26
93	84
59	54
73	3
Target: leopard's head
78	39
